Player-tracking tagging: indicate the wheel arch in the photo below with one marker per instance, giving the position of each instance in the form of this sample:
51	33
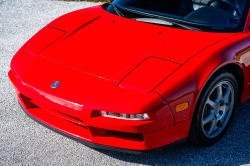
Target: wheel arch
195	135
234	69
237	72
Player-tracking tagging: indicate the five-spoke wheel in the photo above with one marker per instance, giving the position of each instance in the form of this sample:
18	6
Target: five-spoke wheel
218	109
215	109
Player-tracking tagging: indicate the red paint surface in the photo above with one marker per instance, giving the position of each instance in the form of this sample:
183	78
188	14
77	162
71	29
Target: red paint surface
41	41
150	73
145	72
123	49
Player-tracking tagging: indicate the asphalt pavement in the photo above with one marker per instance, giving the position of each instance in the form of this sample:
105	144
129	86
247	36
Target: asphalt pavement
25	142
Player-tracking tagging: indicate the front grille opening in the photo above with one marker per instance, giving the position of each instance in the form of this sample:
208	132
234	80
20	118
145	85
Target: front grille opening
27	102
70	116
126	136
72	119
98	132
78	124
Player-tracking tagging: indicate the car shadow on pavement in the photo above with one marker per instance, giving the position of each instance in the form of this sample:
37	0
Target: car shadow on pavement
232	149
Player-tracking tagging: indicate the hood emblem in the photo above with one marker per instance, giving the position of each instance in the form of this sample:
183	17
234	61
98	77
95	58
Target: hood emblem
55	84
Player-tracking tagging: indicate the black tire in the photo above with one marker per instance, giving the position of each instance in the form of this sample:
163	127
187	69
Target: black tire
198	134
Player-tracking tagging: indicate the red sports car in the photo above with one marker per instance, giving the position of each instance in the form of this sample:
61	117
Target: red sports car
138	75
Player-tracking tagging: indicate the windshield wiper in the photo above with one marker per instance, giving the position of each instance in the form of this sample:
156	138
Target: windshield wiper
164	22
116	10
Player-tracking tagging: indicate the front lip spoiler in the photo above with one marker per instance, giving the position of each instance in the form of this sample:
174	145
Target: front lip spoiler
99	146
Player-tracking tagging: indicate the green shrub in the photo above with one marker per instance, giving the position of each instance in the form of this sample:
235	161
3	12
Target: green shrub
90	0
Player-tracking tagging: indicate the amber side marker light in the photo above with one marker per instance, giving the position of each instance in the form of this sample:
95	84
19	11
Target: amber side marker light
181	107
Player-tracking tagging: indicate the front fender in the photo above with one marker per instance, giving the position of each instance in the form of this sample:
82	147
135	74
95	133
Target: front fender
187	83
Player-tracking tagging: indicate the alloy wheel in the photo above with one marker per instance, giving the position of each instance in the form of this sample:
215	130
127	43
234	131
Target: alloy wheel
217	109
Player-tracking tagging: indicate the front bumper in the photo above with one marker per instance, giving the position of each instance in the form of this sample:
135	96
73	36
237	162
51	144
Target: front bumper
99	146
99	132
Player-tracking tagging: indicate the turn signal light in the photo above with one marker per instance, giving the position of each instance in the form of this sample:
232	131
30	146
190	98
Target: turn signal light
125	116
181	107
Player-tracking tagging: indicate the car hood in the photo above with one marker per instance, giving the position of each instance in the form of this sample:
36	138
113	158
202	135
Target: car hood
108	46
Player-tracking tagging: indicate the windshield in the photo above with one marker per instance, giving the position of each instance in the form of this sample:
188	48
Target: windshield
205	15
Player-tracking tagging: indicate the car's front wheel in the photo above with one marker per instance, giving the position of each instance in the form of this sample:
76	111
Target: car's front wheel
215	109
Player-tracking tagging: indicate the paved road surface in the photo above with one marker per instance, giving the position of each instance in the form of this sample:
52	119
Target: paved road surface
25	142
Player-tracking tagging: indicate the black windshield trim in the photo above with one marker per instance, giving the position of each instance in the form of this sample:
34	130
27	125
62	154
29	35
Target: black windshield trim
178	19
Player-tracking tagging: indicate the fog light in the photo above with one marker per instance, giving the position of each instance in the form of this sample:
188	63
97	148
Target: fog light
125	116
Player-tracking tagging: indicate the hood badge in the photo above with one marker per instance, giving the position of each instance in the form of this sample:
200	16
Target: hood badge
55	84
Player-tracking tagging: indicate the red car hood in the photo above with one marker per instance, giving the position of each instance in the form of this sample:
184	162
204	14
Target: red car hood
109	46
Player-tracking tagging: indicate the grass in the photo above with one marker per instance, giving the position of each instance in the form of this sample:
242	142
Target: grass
89	0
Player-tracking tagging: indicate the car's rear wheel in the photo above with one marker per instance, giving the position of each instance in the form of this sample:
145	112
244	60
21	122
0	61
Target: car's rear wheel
215	109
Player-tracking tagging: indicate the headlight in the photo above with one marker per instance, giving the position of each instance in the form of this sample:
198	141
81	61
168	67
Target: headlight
149	74
125	116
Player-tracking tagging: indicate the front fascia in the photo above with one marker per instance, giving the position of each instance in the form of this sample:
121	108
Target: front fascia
97	129
103	131
186	84
111	98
